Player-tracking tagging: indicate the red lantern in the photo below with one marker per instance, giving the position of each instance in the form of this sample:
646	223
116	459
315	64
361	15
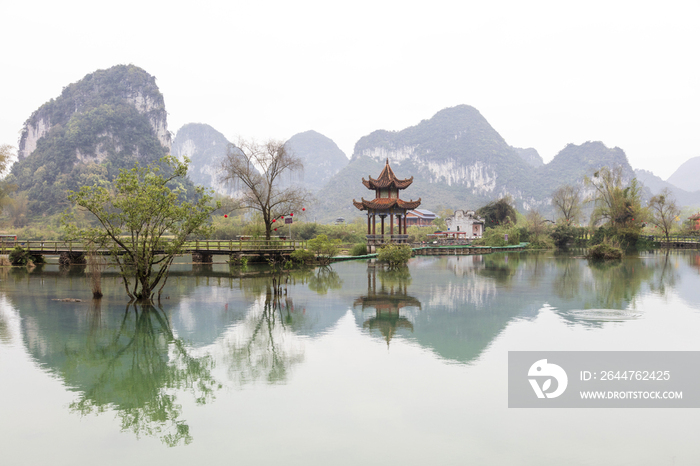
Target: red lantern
225	215
292	214
281	216
275	229
274	220
303	209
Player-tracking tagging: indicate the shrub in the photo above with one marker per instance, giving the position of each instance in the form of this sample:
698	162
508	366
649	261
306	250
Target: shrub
604	251
563	234
324	248
360	249
496	236
236	260
20	256
395	255
544	242
302	256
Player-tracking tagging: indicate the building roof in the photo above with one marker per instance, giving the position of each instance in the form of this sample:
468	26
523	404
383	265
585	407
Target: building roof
387	179
422	213
386	203
694	216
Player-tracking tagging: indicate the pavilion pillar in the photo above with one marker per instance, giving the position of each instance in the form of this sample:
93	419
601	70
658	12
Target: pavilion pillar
391	224
405	223
374	223
398	218
369	225
382	217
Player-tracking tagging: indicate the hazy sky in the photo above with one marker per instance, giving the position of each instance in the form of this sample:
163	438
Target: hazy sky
544	74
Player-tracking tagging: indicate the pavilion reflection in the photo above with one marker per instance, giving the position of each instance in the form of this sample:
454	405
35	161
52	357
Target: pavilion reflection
388	301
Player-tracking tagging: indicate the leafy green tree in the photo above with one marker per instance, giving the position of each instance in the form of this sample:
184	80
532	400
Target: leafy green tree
563	234
498	212
6	187
396	255
616	205
324	248
663	211
144	222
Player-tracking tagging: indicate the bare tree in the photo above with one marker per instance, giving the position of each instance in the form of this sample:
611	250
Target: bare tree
663	211
263	174
567	200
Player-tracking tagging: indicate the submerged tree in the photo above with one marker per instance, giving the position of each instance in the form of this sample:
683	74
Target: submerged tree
144	222
263	174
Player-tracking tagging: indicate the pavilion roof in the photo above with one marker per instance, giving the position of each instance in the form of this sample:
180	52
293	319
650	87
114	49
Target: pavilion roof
387	179
386	203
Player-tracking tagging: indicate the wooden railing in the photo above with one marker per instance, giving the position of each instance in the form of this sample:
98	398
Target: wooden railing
673	239
207	246
381	239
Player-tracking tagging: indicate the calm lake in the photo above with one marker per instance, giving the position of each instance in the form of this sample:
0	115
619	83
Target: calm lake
345	365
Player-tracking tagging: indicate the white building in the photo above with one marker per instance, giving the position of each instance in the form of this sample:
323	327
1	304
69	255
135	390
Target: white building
466	221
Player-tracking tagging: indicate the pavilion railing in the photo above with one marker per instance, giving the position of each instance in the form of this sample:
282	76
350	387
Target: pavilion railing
382	239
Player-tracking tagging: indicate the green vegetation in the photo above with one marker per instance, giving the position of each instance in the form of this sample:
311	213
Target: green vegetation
497	236
604	251
498	213
617	206
302	256
360	249
135	217
563	234
324	248
5	187
395	255
20	256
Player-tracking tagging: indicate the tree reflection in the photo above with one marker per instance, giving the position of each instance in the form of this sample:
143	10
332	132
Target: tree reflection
325	279
264	346
615	285
136	370
387	301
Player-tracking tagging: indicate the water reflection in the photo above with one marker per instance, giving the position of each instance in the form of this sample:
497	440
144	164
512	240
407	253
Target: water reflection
387	301
138	368
144	363
264	345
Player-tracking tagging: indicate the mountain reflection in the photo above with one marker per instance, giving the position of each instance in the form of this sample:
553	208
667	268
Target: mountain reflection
143	362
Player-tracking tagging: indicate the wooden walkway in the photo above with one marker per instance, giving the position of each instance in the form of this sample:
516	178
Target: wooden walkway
676	241
207	248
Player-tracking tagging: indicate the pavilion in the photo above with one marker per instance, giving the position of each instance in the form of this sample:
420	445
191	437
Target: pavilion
386	203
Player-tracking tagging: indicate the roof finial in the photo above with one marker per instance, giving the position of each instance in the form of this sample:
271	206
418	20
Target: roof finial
387	160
